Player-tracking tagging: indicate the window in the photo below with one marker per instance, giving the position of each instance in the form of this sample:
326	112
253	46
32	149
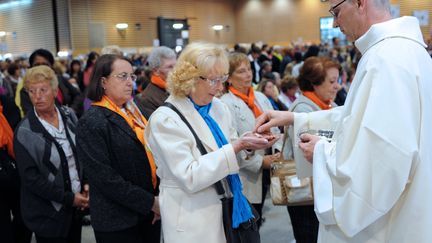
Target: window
328	32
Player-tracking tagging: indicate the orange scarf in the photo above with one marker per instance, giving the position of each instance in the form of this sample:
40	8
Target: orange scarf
138	124
315	99
6	134
156	80
248	99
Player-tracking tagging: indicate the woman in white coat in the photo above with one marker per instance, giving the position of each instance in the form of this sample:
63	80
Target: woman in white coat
190	207
245	105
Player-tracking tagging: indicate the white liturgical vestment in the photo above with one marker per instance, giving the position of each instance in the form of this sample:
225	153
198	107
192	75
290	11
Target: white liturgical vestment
373	182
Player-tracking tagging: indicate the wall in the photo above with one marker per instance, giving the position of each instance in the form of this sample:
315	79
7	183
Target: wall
29	25
279	21
201	16
286	21
270	21
407	7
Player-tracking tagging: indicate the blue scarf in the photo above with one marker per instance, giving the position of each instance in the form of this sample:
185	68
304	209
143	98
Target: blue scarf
274	104
241	209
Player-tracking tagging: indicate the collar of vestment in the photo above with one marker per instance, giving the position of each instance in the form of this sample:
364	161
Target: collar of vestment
404	27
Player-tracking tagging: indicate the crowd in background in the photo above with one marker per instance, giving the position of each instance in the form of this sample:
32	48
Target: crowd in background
274	63
280	81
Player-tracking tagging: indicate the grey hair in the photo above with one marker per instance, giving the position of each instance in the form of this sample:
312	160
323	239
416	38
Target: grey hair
157	54
382	4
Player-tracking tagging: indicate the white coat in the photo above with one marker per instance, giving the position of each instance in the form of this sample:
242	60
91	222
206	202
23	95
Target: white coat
191	210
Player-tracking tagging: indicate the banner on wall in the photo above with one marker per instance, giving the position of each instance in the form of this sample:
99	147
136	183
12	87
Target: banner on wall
422	16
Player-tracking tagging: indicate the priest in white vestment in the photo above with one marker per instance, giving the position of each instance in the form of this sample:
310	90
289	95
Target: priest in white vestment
373	181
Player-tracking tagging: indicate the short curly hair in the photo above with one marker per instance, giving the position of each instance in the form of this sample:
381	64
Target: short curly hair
40	74
197	59
314	71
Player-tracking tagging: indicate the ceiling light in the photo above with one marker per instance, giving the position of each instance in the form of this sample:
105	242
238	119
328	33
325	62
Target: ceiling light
63	53
218	27
178	26
122	26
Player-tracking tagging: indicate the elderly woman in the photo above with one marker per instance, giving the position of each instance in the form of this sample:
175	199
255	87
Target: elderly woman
120	169
190	206
318	83
269	89
52	185
245	105
161	61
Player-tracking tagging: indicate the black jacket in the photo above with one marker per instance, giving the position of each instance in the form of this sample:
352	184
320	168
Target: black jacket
46	194
119	174
10	110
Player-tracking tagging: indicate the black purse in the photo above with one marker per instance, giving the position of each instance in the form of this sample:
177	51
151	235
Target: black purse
247	232
9	180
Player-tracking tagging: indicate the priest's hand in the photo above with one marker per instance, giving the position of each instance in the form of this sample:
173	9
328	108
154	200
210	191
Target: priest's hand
271	119
307	145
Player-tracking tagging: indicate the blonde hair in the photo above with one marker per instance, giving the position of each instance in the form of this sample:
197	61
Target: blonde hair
197	59
40	74
235	60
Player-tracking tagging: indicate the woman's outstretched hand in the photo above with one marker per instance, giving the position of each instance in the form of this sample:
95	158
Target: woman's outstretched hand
254	141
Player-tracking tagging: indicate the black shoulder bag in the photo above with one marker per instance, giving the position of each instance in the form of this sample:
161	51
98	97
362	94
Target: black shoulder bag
9	180
247	232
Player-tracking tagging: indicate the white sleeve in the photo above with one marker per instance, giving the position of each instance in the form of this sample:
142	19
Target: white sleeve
323	161
325	119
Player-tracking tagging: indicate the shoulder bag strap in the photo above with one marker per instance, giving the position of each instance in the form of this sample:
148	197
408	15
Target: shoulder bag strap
219	188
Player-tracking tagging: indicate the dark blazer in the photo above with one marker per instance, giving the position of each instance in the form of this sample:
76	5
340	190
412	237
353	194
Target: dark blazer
121	191
150	99
254	72
46	194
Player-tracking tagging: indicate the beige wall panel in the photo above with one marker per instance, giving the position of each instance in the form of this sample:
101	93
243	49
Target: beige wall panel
270	21
28	26
79	20
279	21
284	21
408	6
201	16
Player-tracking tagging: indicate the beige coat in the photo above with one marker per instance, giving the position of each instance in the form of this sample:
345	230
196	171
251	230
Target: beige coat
190	207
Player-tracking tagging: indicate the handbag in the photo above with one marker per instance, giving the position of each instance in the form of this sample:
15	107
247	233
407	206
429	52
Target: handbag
9	180
247	232
285	187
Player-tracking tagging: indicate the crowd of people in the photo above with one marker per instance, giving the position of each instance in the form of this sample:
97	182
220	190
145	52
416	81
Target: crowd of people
106	138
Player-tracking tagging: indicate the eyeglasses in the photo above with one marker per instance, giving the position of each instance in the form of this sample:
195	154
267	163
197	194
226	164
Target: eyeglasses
214	82
332	9
41	91
125	76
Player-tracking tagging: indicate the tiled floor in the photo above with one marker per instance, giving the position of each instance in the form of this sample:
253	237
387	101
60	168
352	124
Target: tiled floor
277	225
